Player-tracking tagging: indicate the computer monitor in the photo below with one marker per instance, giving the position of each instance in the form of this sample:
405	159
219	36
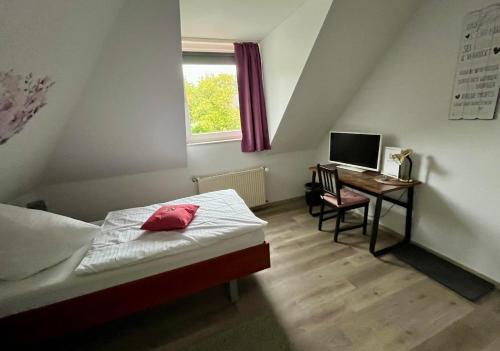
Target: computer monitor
356	151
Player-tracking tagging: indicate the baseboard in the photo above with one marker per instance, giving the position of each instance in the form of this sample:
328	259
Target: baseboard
278	203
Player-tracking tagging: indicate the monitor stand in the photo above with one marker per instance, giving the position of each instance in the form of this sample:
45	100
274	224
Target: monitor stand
354	169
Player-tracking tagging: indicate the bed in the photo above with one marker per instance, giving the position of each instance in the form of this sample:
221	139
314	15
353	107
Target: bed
68	298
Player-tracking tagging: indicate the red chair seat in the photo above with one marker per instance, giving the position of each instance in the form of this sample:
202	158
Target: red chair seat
348	198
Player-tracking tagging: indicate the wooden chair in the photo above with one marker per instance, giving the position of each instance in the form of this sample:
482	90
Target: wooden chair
342	200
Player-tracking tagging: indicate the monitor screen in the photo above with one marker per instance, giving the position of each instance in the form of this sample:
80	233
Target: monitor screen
360	150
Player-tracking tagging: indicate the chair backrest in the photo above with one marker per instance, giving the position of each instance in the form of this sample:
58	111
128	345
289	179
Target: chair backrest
329	180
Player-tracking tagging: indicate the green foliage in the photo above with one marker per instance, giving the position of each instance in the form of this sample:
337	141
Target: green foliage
212	104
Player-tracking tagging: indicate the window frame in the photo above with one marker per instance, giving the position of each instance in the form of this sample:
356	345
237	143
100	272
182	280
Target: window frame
211	51
215	137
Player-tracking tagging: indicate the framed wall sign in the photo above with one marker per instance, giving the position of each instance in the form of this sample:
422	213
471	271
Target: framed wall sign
390	167
477	79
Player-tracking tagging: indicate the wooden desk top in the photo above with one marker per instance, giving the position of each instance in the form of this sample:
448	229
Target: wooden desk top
365	181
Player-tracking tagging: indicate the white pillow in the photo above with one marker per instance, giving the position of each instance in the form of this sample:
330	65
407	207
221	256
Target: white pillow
32	240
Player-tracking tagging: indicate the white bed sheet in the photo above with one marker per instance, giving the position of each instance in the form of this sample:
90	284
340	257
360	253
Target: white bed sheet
222	215
61	283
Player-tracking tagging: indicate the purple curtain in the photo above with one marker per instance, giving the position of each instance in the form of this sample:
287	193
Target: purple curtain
255	136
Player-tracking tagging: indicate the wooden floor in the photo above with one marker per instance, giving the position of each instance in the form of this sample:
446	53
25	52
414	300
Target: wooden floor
323	296
336	296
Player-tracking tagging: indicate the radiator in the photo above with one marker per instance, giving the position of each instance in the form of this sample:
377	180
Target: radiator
249	184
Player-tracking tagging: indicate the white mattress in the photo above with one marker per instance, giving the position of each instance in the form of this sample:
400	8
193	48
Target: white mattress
60	282
222	215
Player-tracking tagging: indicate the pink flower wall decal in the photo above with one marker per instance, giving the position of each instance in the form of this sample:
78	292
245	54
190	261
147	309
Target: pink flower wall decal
21	97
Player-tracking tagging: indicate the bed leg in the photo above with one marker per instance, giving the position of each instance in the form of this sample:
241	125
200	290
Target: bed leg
232	287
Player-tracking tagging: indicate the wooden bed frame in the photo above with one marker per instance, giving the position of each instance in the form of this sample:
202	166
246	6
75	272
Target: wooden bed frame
89	310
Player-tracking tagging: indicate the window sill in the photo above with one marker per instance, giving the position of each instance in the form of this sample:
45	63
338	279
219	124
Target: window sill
196	143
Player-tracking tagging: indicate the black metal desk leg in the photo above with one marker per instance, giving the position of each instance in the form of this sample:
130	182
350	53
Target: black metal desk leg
409	215
376	218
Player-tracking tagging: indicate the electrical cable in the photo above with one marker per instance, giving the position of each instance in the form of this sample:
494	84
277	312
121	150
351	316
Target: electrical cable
390	207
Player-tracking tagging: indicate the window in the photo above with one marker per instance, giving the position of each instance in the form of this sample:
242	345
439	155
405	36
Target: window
212	108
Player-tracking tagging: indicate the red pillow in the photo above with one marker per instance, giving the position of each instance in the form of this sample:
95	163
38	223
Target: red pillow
170	217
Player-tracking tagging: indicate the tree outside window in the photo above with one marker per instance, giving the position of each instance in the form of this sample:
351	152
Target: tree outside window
212	101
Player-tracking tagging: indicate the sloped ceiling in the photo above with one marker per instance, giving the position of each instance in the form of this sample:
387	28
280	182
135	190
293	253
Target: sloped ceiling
234	19
130	118
354	36
59	38
284	54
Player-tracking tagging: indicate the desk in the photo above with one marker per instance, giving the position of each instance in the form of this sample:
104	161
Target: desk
365	182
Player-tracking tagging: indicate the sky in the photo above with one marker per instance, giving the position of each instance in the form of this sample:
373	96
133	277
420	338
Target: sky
193	73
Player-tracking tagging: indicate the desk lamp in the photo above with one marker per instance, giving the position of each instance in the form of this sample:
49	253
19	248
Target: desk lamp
400	159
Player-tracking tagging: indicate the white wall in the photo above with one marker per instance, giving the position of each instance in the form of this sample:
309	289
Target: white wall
284	53
91	200
125	144
407	98
130	118
125	141
59	38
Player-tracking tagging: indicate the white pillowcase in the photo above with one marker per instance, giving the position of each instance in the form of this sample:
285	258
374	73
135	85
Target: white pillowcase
32	240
